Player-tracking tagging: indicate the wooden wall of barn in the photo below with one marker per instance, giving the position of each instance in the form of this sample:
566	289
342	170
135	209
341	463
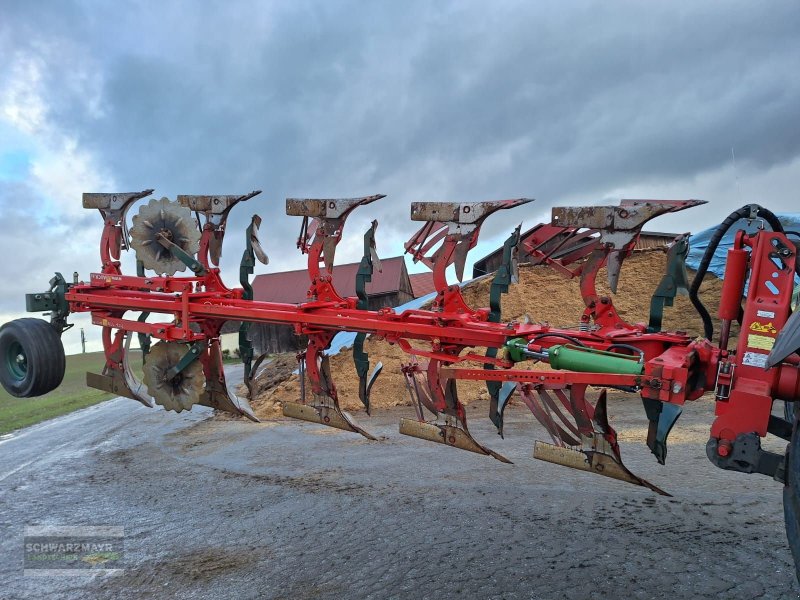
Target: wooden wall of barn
274	339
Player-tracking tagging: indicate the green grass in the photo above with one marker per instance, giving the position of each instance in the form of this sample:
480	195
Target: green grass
71	395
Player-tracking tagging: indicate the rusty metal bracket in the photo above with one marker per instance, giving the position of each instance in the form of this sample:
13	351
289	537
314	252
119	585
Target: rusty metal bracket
452	228
319	238
113	208
619	228
215	209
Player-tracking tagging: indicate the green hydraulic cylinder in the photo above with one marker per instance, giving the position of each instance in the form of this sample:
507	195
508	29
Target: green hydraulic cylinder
588	360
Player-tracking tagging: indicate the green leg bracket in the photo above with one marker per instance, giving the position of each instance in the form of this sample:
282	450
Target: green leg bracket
507	273
675	281
252	251
369	261
144	339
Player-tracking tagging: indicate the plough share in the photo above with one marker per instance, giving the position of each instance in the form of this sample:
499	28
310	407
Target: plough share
450	341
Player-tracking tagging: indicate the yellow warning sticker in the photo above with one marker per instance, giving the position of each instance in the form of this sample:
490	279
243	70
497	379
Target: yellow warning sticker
763	327
762	342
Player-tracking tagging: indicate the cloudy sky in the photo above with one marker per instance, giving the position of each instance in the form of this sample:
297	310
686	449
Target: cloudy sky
580	102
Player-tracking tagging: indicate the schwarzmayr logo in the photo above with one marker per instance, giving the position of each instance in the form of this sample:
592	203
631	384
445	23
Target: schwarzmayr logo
52	551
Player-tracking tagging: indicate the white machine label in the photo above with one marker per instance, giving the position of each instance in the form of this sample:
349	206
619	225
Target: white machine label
767	314
755	359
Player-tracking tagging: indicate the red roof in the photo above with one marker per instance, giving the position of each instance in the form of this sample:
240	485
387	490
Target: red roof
290	287
421	284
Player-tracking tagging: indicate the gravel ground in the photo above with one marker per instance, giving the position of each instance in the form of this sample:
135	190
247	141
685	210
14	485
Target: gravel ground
284	509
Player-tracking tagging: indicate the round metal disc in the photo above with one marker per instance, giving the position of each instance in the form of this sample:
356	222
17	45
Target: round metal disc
172	220
180	392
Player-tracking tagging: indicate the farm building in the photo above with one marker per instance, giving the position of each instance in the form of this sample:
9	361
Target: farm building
422	284
388	288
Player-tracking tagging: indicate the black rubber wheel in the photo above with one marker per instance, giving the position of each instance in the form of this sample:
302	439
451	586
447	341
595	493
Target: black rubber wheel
791	497
32	360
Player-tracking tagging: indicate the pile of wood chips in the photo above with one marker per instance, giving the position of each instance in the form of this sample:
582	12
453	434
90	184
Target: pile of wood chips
542	295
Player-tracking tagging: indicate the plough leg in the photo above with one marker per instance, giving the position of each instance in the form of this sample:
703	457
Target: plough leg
217	394
324	408
440	397
588	444
117	377
418	389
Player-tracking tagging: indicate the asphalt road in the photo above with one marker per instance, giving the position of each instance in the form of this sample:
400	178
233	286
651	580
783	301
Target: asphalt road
216	509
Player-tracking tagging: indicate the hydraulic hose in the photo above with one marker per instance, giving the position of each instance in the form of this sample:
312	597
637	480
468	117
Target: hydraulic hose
633	349
746	212
562	336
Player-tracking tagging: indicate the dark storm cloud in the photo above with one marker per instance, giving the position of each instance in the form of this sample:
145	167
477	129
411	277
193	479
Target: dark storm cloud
33	245
422	101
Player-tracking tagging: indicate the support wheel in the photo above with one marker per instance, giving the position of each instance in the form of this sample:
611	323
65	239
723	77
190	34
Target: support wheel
32	360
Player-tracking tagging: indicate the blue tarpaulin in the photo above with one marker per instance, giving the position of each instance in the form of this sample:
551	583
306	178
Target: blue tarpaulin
699	241
345	339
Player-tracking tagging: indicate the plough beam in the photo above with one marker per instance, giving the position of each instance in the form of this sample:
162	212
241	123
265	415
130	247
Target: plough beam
184	312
